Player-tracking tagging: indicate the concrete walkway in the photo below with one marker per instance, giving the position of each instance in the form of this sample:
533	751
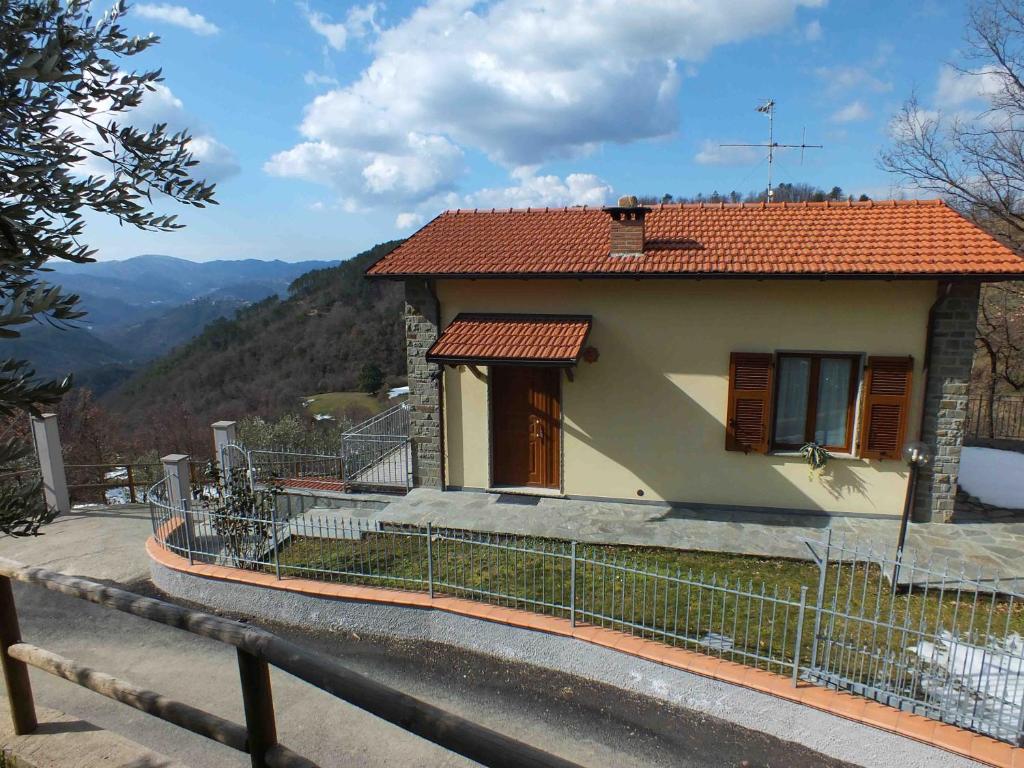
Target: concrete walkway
996	548
102	543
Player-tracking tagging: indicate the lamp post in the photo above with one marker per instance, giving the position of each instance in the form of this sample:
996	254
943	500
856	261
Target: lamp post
916	454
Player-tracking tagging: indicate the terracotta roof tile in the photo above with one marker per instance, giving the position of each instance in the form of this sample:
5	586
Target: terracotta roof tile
892	238
555	339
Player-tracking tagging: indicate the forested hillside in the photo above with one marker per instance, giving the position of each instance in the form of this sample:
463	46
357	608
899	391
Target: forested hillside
273	353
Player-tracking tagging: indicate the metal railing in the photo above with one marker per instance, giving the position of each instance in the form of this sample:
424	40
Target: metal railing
270	466
915	649
1001	418
257	650
376	454
945	645
372	456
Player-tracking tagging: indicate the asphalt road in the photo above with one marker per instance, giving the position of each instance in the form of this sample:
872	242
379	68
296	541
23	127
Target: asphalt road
590	724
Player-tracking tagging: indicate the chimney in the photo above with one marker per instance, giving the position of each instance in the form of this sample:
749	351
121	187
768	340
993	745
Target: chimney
627	223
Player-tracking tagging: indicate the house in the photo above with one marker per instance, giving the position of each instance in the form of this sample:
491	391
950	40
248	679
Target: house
686	353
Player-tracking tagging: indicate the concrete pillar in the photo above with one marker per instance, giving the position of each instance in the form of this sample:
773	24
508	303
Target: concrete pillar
951	354
224	434
51	462
421	332
179	489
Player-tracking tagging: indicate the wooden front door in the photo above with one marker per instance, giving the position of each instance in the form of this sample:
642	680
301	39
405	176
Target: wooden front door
526	426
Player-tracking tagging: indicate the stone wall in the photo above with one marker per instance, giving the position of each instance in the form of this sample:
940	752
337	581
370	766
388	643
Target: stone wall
421	312
951	352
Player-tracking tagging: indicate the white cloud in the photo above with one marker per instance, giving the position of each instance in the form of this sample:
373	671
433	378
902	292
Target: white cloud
538	191
853	112
335	34
408	220
178	15
362	19
957	89
413	169
522	81
813	31
316	78
216	161
842	79
713	153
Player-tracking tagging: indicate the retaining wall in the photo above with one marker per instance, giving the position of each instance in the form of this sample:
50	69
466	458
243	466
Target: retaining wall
840	725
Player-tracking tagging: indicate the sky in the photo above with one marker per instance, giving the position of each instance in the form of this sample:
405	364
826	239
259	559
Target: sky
331	126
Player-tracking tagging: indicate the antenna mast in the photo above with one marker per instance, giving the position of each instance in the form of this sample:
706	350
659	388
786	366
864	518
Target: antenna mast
768	108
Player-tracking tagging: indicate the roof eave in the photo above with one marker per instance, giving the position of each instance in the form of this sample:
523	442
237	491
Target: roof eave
985	277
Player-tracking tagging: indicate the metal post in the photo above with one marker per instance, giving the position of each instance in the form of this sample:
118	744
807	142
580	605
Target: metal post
258	701
799	635
819	602
19	688
572	585
273	529
430	563
251	471
186	515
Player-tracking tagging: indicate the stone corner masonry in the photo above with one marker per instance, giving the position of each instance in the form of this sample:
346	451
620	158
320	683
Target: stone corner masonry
421	331
950	356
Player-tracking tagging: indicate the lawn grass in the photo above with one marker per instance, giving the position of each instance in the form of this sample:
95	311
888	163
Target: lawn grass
684	598
339	404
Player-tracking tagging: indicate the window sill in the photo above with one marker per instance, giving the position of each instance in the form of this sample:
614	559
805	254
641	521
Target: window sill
796	454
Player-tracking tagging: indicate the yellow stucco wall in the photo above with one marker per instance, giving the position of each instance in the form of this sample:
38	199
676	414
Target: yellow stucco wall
650	414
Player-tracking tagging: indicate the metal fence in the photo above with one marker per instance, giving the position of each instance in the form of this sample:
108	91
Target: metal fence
945	644
373	456
1001	417
376	454
946	648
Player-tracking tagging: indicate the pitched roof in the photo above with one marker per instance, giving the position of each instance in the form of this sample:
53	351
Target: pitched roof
905	238
474	338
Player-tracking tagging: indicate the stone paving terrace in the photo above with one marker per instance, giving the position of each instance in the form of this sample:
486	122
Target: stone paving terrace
996	547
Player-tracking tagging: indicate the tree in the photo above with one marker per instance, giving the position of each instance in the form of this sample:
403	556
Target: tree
371	379
976	163
66	149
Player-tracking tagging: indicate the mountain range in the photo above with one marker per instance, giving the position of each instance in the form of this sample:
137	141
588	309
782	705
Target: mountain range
143	307
330	324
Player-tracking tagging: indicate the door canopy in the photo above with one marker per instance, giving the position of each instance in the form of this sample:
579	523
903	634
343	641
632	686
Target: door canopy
552	340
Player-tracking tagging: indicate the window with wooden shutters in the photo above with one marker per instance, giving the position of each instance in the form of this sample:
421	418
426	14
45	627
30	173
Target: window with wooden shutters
750	399
887	388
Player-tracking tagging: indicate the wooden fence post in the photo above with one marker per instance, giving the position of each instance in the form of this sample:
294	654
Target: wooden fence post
19	688
258	701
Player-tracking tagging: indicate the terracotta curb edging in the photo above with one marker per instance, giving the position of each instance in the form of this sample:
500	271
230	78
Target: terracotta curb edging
941	735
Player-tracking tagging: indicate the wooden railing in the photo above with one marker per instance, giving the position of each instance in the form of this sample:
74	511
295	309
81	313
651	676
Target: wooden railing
256	649
91	480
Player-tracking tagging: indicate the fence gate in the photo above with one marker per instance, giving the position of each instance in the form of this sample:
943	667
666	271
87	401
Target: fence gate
376	454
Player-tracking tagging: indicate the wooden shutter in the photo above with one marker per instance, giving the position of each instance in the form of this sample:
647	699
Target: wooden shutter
887	389
748	421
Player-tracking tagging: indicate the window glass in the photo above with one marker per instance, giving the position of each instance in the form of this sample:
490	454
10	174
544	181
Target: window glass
833	398
791	409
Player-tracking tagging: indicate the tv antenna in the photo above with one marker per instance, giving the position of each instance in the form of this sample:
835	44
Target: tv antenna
768	108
